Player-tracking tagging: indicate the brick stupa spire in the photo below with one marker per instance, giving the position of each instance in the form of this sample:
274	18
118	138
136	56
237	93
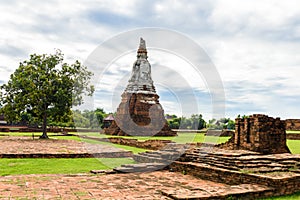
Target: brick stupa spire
140	112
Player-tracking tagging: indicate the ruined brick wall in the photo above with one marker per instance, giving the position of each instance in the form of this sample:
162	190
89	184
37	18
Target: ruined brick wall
282	186
147	144
259	133
140	114
292	124
294	136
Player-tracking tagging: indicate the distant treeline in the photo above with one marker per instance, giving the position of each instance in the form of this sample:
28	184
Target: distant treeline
196	122
93	119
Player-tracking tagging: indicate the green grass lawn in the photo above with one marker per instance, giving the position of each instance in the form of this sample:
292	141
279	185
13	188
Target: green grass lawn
58	165
286	197
294	146
291	132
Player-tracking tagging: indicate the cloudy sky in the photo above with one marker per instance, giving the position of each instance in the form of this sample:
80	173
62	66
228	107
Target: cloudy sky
253	44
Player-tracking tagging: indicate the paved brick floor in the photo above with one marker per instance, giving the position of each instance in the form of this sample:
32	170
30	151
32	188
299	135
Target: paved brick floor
26	145
114	186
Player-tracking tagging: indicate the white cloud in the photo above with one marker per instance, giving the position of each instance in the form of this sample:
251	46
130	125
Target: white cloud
253	44
249	17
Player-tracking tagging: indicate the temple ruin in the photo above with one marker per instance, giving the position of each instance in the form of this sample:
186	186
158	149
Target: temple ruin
140	112
259	133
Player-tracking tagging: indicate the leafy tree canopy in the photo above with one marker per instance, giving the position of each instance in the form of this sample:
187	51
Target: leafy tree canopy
44	87
195	122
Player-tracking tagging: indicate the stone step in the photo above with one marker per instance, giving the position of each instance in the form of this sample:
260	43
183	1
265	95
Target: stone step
157	156
290	162
241	162
230	154
266	169
123	169
249	159
242	191
244	160
156	153
209	159
140	167
239	165
253	169
152	154
295	171
221	165
148	159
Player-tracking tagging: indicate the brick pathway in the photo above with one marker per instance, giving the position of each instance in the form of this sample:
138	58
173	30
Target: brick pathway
114	186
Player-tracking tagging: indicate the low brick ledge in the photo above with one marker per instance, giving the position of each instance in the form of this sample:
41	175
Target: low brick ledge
70	155
293	136
147	144
234	192
282	185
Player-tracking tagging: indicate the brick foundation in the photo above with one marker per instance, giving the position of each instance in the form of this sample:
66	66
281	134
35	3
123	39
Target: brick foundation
282	185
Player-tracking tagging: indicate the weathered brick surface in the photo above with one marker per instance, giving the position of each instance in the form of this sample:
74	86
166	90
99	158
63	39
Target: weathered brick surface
144	144
292	124
259	133
219	133
293	136
136	116
25	147
283	183
140	112
154	185
147	144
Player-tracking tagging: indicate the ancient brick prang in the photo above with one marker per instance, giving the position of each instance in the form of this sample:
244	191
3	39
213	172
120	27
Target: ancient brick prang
259	133
140	113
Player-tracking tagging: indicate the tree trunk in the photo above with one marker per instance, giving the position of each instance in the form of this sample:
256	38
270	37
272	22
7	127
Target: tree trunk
44	136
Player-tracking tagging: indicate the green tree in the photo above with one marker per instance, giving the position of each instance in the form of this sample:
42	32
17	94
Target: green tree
93	117
198	122
194	122
80	120
100	115
231	124
45	87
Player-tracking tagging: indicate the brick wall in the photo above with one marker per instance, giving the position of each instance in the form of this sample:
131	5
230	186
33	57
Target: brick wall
259	133
293	136
147	144
292	124
282	185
